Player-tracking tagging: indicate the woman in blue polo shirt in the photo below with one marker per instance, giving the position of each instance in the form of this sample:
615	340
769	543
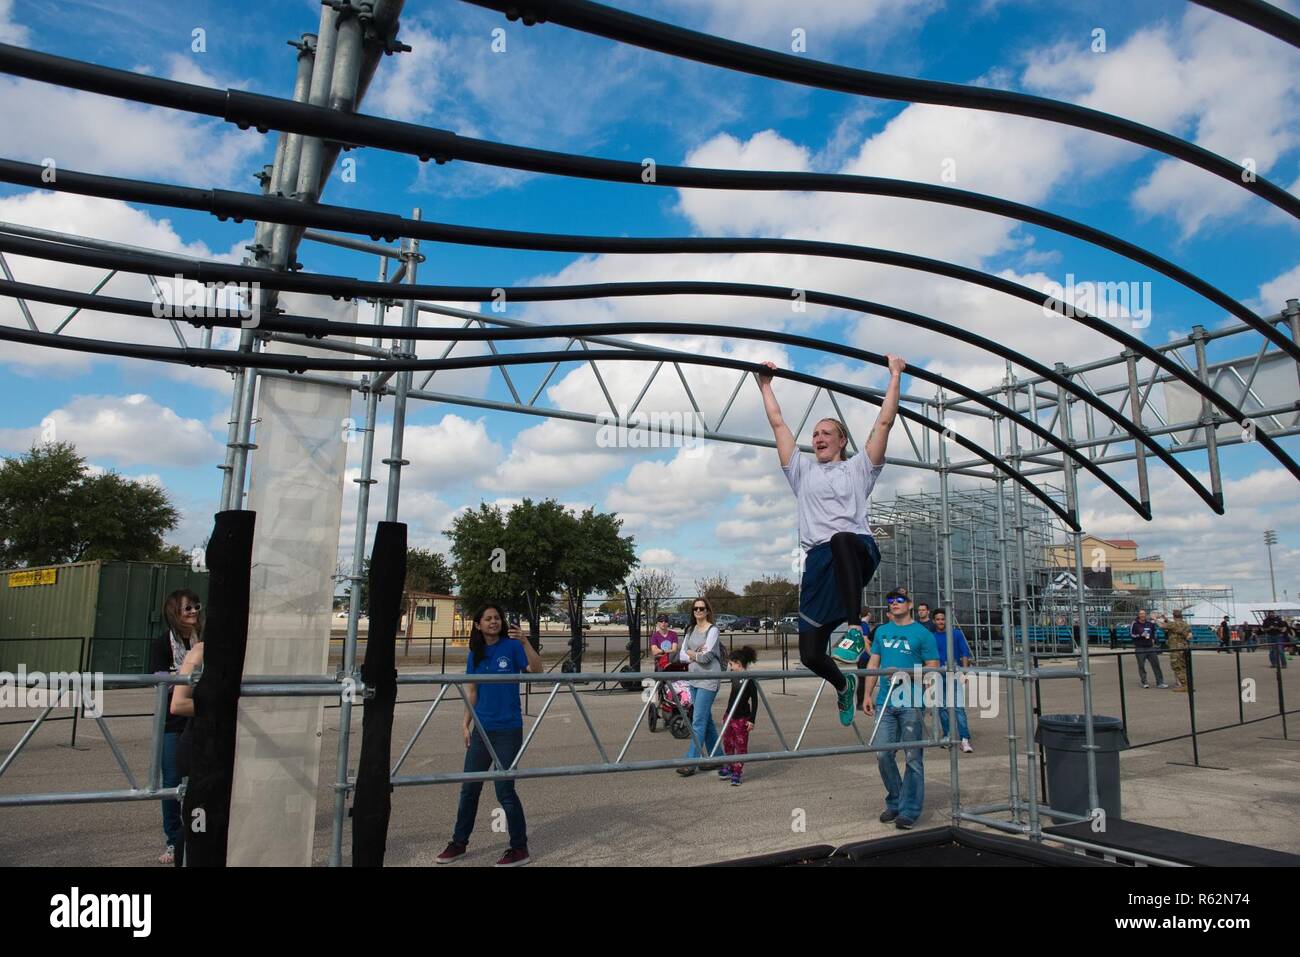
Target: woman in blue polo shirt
831	492
496	705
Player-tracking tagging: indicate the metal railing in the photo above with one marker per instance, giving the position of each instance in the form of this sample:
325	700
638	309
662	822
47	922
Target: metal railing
325	686
1194	732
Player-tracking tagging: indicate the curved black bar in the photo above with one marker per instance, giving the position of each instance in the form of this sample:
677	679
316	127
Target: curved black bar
265	112
320	328
346	288
239	206
715	51
1262	16
299	363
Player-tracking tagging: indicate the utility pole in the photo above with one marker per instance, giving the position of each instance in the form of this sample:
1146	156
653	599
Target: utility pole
1270	539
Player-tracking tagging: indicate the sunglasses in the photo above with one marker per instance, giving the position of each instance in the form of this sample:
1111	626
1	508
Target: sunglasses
194	607
699	608
897	600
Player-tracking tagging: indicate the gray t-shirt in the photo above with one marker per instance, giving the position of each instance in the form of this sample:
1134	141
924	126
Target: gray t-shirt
832	497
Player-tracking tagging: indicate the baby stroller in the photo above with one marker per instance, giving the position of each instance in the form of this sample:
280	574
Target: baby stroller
671	704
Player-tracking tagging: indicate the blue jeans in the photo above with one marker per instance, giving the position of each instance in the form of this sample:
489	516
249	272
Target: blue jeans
705	730
171	777
506	743
963	729
903	796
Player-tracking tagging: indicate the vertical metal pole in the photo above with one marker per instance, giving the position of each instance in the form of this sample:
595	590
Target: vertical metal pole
1123	696
160	701
1025	678
974	621
349	664
1241	704
286	183
1004	601
1199	337
303	178
1292	312
1281	695
1135	413
395	462
1072	501
948	678
269	249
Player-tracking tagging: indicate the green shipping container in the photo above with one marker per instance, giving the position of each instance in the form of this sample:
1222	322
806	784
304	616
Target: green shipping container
88	616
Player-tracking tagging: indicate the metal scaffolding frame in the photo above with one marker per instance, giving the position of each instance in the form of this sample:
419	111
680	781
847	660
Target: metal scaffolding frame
1028	423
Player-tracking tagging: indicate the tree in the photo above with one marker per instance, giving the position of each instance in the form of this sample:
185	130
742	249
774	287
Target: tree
595	559
479	559
513	559
770	595
54	510
426	571
536	533
656	587
716	589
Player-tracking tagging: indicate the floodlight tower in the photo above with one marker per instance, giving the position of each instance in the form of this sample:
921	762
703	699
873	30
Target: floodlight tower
1270	539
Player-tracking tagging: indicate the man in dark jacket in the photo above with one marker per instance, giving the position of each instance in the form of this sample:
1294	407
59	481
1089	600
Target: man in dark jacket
1143	632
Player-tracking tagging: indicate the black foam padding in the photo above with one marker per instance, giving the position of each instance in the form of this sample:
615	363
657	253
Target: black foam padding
1176	846
373	800
800	855
934	847
216	696
634	609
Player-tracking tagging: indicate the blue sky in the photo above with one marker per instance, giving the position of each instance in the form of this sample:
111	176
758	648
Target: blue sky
1170	64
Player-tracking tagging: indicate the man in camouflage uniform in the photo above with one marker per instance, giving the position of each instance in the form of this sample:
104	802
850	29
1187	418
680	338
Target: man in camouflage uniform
1178	637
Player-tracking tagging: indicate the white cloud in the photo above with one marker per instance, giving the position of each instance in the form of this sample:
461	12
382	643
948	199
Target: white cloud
658	557
451	451
129	430
555	455
11	31
770	22
102	134
99	219
1191	538
1273	295
1210	79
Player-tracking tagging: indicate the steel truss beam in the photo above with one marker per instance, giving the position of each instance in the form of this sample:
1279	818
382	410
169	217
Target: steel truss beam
292	363
204	271
317	328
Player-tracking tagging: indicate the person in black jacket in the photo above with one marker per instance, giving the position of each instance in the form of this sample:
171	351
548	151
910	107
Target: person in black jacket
181	612
182	708
742	707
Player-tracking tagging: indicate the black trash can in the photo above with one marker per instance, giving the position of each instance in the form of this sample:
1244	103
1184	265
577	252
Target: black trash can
1063	737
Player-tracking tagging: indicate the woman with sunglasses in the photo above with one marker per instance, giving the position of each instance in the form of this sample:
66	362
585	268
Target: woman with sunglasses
831	493
703	652
181	612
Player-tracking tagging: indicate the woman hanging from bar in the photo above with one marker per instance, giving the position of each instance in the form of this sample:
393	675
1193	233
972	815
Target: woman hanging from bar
831	492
